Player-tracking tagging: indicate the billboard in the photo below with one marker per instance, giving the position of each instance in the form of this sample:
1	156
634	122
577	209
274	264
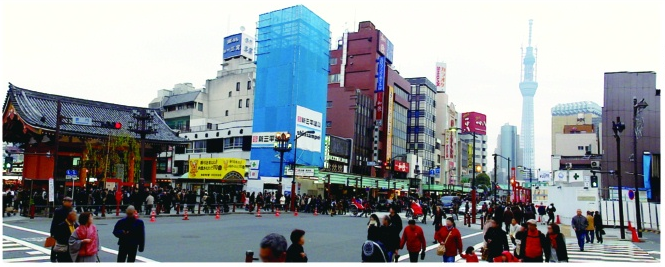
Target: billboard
239	44
309	120
401	166
389	123
380	74
264	139
474	122
217	168
544	176
441	76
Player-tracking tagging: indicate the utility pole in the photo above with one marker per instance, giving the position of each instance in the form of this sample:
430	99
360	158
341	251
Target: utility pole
618	127
637	107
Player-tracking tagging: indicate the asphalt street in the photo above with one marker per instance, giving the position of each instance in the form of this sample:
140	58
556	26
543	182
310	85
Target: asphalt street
204	239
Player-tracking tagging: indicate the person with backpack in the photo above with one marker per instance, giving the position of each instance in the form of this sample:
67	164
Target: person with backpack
550	213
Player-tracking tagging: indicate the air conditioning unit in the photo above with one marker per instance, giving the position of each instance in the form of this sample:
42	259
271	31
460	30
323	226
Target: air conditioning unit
174	170
595	164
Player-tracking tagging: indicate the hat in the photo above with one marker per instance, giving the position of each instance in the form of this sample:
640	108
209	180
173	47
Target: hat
67	199
532	221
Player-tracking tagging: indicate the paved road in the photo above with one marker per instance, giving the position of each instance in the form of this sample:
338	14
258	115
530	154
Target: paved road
204	239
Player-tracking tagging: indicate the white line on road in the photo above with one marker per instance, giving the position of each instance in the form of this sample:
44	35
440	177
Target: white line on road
25	259
15	249
10	245
105	249
404	257
35	252
28	244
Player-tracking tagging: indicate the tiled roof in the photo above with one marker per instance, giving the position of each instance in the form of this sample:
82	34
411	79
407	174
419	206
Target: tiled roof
183	98
39	110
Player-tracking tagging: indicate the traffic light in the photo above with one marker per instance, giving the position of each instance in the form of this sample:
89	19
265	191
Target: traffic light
386	165
112	125
8	163
594	181
512	182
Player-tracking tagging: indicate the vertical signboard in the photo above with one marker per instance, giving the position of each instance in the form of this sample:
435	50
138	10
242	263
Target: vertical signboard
512	173
380	74
441	76
379	106
383	44
51	190
389	123
646	170
309	120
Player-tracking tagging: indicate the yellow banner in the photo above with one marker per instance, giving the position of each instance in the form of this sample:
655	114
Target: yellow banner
216	168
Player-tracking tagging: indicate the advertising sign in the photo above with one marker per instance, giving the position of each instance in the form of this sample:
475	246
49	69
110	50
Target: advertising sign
237	45
51	190
254	164
441	76
646	170
306	172
265	139
309	120
253	174
512	173
389	124
544	176
379	106
110	186
383	44
216	168
401	166
474	122
380	74
389	51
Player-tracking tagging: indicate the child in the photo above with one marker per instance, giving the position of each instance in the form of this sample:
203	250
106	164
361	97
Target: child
470	255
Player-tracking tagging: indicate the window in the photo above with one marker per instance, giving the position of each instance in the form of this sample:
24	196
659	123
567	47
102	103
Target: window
328	124
580	148
329	104
200	106
333	61
249	85
238	86
333	78
247	103
227	113
239	103
233	143
230	93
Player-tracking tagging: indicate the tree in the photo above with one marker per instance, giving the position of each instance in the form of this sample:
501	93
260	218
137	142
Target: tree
483	179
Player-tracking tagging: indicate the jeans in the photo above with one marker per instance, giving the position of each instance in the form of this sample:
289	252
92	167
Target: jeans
581	234
413	256
589	236
448	258
127	253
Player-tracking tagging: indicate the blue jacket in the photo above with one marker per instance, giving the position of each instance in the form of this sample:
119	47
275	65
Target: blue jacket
134	235
579	223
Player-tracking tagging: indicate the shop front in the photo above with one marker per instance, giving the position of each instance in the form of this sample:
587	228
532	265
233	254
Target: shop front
221	175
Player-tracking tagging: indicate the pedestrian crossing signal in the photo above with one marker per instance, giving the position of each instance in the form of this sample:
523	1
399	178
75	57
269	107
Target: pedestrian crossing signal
594	181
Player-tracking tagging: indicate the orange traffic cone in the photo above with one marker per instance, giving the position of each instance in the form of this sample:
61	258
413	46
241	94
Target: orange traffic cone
217	214
315	212
558	221
539	218
152	216
630	226
186	218
277	213
634	232
258	211
296	213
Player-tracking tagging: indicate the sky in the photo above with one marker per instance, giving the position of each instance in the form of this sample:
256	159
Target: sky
125	51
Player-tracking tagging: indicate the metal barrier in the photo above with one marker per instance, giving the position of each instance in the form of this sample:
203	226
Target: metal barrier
650	216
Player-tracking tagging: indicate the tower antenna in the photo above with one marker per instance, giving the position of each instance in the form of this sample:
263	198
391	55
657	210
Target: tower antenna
530	26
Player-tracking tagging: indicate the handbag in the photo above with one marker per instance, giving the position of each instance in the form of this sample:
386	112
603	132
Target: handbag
60	248
602	231
50	241
484	253
441	249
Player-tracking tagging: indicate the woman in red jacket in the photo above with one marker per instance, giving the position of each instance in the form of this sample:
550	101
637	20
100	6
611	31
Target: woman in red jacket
414	239
451	238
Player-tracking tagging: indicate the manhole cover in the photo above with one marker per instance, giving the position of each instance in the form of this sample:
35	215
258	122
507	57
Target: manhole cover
190	236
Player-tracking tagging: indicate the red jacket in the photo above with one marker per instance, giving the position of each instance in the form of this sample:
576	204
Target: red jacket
414	239
470	257
454	243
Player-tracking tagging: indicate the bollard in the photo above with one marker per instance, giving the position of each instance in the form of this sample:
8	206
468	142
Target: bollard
32	211
103	210
234	207
152	216
249	256
482	222
217	214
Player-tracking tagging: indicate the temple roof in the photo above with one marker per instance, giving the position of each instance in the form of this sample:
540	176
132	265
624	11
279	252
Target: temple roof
38	110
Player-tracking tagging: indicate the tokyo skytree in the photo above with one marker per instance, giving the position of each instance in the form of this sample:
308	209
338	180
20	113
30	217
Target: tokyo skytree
528	86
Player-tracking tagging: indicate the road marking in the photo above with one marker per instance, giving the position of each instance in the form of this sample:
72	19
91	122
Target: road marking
105	249
10	245
28	244
35	252
15	249
24	259
405	257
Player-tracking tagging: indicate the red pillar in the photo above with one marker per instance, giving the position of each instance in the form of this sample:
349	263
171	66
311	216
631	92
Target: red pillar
153	173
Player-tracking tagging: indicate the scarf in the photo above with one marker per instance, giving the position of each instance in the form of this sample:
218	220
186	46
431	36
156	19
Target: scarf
553	240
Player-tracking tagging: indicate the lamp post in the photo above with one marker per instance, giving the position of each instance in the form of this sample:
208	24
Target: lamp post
473	174
282	145
530	178
637	109
142	126
495	171
617	128
295	160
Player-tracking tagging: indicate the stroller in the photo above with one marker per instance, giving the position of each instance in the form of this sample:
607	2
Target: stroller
374	252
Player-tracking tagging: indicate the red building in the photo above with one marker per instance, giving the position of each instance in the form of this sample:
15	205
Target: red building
367	98
29	121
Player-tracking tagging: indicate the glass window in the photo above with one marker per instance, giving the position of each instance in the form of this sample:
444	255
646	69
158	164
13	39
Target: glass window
247	103
238	86
333	61
233	143
329	104
328	124
333	78
249	85
230	93
227	113
239	103
200	106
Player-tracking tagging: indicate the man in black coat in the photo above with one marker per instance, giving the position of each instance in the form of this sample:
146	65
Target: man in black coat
59	216
497	241
62	232
131	236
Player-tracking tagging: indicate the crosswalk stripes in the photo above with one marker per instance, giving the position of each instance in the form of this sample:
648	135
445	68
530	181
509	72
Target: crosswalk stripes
14	250
609	251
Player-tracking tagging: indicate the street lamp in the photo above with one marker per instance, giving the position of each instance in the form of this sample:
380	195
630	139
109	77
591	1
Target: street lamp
637	109
530	178
295	160
143	126
473	175
282	145
495	171
617	128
